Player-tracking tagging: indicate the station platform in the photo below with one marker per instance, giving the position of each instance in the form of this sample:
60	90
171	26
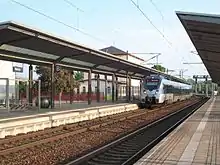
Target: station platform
195	142
14	123
64	107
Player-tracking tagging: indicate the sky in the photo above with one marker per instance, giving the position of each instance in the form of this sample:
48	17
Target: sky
118	23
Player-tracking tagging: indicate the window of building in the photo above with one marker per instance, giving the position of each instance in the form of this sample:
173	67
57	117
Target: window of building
96	76
84	89
109	90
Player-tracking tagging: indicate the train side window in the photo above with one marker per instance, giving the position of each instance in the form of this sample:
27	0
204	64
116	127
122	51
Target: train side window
109	90
170	89
164	88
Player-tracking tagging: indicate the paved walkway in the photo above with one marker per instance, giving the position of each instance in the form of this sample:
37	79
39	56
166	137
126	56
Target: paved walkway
194	142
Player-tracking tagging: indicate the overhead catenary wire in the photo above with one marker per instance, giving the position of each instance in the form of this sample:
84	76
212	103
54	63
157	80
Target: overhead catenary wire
161	33
137	6
77	10
74	6
162	16
159	11
58	21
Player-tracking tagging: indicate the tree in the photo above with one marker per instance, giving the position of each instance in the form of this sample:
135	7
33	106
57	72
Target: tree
22	85
64	79
44	75
159	68
78	75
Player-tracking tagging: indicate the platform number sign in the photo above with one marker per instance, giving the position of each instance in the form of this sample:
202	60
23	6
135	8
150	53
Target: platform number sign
17	69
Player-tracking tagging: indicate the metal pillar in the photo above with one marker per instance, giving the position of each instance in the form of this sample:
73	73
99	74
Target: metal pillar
60	99
113	87
129	89
106	88
120	90
39	95
30	85
196	86
116	88
98	88
71	90
89	87
17	98
27	90
212	89
133	90
141	86
206	87
200	88
7	95
52	94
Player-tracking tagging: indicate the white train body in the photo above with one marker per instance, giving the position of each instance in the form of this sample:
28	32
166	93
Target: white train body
157	89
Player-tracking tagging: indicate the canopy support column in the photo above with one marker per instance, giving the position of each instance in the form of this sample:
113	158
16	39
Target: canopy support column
212	89
98	88
52	86
141	86
129	89
206	87
89	87
30	85
196	86
116	90
113	88
106	89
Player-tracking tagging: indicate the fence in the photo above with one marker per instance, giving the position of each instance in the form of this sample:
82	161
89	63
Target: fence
65	96
15	94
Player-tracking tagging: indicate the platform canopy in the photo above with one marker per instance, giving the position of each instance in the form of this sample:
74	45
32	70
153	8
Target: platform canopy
204	32
23	44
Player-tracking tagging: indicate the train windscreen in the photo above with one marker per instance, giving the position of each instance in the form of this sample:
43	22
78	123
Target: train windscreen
152	83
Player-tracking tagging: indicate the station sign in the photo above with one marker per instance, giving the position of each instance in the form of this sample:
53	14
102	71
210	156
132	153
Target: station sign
18	69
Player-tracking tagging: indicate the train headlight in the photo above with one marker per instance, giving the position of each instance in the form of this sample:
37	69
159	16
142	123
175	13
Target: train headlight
144	91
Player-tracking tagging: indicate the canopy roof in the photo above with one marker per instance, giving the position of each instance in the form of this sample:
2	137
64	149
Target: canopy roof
20	43
204	32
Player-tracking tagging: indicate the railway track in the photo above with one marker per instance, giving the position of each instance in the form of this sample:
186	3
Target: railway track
36	138
75	140
130	148
16	143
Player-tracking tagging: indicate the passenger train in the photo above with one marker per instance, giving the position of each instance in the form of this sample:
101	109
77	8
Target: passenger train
157	89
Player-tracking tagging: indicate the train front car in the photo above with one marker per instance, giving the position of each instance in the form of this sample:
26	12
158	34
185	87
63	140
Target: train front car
150	91
160	90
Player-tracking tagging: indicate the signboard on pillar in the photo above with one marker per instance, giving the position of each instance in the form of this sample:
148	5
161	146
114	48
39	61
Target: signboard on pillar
17	69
